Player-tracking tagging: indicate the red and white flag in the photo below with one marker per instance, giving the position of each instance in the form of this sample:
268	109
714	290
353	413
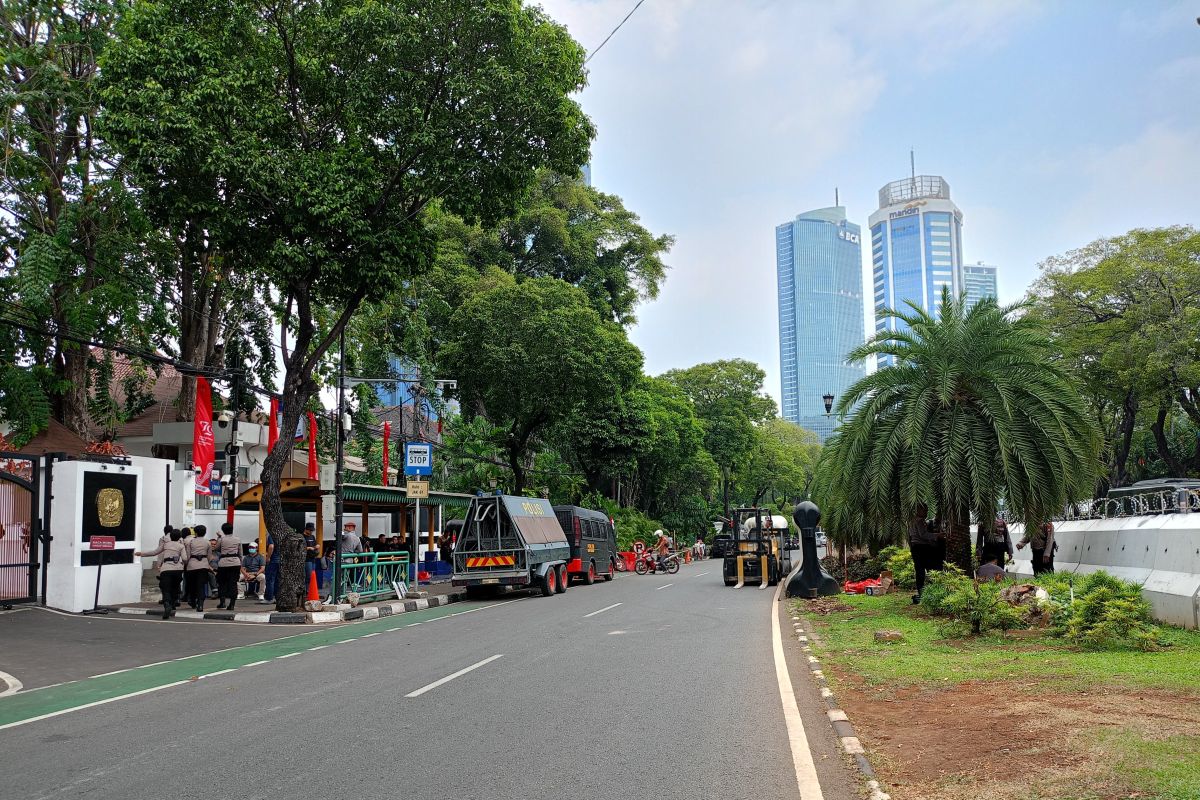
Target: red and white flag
203	442
273	430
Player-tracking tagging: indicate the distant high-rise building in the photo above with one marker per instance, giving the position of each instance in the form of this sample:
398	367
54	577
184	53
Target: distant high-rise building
819	266
979	282
586	174
916	247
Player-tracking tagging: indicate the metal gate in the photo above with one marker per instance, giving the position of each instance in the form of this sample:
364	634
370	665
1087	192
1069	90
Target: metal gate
22	550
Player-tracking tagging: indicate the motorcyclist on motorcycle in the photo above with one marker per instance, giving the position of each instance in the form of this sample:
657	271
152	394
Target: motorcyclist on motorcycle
663	548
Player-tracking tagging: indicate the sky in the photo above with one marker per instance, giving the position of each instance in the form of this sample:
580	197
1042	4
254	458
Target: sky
1055	123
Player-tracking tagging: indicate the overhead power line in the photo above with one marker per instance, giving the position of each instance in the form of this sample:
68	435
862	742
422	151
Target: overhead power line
600	46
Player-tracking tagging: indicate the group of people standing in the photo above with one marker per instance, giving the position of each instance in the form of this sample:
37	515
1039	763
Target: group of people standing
192	567
187	561
993	547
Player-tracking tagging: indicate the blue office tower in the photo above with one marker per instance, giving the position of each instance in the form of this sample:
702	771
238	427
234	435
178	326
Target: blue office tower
979	282
916	247
819	268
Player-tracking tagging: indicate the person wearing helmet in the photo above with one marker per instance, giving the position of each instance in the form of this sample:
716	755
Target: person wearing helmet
663	547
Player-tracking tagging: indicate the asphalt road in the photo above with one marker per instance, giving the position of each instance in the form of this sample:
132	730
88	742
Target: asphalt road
647	687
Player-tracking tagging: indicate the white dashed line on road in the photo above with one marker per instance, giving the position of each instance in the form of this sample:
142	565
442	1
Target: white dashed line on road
601	611
699	574
664	586
454	675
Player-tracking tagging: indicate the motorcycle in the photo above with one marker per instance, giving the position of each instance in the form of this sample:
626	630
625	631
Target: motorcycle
648	563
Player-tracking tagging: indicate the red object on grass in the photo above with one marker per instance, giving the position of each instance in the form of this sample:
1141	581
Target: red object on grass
860	587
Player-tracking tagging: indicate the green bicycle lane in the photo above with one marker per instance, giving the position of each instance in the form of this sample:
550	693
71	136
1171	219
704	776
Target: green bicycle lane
52	701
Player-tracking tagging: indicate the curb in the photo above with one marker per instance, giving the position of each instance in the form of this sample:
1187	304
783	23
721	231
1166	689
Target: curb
838	720
343	614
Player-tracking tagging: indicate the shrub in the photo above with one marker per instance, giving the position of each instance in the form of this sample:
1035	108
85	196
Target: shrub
940	584
1105	612
979	606
899	561
859	567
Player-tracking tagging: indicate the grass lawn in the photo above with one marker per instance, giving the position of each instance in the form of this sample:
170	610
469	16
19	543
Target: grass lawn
1026	715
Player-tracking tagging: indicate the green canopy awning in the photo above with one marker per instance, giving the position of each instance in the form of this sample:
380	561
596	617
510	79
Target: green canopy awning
383	495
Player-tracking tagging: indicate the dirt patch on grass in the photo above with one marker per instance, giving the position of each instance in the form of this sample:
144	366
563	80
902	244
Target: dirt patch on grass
823	606
1005	742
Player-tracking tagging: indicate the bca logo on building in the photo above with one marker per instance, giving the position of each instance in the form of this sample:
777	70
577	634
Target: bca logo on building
852	238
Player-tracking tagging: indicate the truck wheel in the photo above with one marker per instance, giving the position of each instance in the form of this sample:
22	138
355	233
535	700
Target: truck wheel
549	583
563	579
590	576
731	581
612	571
773	572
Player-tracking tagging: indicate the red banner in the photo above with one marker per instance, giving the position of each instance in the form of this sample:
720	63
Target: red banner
387	435
312	446
203	443
273	430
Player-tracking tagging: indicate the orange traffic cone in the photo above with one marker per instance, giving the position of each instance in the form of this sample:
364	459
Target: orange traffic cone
313	594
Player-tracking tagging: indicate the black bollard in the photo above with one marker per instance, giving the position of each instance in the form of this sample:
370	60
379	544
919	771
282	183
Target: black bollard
812	580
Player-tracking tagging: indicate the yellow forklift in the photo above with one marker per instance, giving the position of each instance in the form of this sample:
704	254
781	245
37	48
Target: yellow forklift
758	553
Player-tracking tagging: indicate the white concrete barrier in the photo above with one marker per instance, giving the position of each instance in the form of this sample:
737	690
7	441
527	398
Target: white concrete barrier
1160	553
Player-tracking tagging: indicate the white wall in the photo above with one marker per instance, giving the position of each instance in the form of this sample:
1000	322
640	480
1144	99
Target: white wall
70	586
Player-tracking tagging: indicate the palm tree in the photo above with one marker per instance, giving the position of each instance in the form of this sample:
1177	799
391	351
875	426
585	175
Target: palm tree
972	411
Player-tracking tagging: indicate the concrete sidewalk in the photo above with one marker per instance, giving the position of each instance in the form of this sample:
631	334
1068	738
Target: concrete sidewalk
430	595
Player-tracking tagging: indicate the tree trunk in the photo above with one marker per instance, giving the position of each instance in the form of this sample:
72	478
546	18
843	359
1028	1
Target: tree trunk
1120	474
72	403
1178	470
958	540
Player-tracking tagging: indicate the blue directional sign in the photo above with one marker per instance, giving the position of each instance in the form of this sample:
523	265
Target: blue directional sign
418	458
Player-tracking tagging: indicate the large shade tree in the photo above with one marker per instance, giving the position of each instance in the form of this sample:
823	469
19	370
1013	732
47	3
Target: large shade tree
973	411
326	129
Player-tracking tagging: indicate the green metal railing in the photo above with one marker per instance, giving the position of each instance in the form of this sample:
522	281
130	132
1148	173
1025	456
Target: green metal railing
372	575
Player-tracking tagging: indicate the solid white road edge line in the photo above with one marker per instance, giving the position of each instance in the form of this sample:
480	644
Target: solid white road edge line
806	771
14	685
601	611
664	586
454	675
92	705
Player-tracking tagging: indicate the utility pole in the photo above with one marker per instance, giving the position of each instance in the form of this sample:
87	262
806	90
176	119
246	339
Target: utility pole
231	449
337	475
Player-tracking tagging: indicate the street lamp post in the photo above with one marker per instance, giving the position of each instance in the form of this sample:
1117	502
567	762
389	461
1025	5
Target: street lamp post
828	398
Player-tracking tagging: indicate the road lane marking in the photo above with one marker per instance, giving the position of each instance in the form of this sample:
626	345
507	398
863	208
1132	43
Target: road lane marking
219	672
806	772
105	701
256	663
601	611
292	655
454	675
14	685
369	635
700	575
664	586
318	647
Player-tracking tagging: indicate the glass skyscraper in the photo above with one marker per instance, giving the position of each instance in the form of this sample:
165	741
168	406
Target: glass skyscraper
818	262
980	282
916	247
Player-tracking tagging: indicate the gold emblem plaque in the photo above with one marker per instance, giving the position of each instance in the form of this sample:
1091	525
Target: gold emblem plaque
110	505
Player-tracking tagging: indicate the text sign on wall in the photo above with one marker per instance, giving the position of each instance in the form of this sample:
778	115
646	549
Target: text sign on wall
418	458
417	490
